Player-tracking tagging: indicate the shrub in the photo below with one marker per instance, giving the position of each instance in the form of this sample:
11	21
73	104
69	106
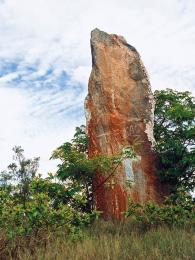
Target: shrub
178	210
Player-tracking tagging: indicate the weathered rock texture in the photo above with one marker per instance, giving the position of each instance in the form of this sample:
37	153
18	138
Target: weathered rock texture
119	111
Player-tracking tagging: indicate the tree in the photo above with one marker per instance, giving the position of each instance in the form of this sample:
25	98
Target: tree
22	171
174	131
76	171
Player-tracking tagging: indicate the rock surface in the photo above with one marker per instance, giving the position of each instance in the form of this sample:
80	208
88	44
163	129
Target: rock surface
119	112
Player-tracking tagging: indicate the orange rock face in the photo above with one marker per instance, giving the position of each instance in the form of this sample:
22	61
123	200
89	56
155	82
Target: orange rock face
119	111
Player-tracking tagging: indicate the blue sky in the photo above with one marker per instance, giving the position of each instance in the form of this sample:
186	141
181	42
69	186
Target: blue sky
45	62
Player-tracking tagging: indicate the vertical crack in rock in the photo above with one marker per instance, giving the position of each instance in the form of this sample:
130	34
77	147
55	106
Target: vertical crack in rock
120	112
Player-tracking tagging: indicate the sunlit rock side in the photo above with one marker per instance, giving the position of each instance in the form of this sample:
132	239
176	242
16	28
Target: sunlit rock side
119	112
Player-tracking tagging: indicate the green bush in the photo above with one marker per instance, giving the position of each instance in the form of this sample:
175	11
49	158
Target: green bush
178	210
38	214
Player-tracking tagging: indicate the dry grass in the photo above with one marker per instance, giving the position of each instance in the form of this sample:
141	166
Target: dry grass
109	241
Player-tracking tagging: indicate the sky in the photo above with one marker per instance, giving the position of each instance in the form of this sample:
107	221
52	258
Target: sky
45	62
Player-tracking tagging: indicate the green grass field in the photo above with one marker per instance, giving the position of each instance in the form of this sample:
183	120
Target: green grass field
113	241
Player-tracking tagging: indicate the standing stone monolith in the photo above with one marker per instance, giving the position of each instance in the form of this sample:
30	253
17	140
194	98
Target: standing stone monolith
119	112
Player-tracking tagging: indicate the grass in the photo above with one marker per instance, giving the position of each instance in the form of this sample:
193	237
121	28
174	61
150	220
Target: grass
111	241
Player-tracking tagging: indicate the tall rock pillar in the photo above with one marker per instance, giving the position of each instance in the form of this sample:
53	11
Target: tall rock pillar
119	112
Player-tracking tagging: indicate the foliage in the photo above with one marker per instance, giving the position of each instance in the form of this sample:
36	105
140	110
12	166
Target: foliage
174	131
38	214
60	193
80	140
21	171
178	210
76	171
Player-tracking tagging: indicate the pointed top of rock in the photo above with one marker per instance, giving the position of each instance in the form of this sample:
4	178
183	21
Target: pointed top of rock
100	36
109	39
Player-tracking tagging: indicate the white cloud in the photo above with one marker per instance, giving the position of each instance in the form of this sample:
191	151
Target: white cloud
48	40
38	135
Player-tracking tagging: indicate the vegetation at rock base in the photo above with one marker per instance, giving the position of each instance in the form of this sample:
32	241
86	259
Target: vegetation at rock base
177	210
55	218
